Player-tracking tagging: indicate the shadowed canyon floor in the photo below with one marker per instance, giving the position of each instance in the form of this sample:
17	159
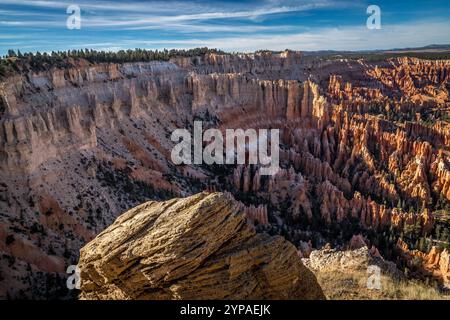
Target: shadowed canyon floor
364	158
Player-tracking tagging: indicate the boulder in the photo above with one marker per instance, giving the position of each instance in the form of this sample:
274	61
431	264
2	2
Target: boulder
200	247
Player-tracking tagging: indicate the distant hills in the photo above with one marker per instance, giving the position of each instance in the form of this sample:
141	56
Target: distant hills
431	52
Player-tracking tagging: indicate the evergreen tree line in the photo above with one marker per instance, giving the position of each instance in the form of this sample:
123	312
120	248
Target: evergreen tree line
40	61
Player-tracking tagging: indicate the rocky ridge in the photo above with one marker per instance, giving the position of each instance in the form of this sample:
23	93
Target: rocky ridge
364	149
200	247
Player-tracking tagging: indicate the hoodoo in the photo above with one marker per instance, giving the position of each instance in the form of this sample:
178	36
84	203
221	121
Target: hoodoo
363	149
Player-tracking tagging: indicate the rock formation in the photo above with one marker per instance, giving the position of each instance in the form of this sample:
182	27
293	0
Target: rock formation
364	149
199	247
339	260
435	263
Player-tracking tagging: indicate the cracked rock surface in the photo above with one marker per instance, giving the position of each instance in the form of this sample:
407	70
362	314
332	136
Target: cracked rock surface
200	247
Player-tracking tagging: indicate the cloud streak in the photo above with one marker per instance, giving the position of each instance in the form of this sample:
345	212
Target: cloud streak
116	15
234	26
348	38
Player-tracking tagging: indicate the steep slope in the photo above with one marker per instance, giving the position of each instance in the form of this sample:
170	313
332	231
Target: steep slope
364	149
200	247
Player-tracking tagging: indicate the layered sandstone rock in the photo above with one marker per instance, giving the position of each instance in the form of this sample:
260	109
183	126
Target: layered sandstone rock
349	261
194	248
435	263
360	143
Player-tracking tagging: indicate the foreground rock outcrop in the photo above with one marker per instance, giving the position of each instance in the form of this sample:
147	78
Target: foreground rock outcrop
333	260
361	274
200	247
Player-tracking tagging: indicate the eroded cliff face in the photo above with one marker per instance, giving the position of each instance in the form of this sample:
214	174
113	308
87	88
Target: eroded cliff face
435	263
364	149
200	247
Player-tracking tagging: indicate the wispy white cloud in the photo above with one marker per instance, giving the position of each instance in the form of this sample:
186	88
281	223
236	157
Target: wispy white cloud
347	38
212	7
243	26
157	14
208	28
36	3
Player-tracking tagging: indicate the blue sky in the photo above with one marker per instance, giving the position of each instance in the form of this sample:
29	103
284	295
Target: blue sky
40	25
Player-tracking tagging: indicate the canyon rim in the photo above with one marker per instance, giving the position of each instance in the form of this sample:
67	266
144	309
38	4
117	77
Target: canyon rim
363	162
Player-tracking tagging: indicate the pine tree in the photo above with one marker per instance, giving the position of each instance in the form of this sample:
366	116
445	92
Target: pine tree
11	53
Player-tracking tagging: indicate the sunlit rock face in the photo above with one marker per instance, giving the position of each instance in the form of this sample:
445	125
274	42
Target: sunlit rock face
200	247
364	149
